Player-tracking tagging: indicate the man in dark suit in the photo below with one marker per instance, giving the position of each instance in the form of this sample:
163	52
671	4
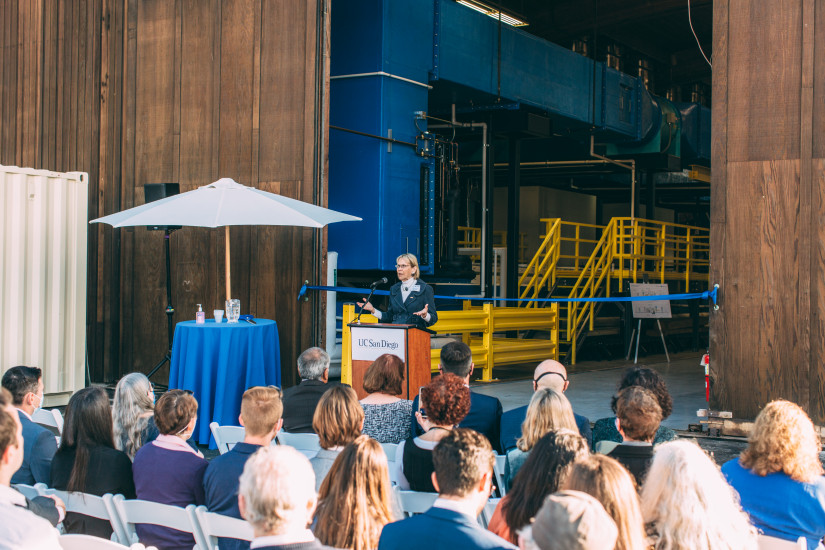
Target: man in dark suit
549	374
463	476
485	410
276	495
26	387
638	416
261	410
300	401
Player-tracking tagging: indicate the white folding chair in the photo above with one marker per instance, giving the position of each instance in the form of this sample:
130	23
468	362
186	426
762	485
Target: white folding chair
499	467
487	512
302	442
764	542
134	512
29	491
94	506
226	436
214	526
414	502
49	417
88	542
391	450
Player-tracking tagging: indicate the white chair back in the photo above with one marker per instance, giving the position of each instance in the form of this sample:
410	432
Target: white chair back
134	512
214	526
302	442
391	450
94	506
29	491
487	512
88	542
226	436
764	542
499	467
414	502
49	417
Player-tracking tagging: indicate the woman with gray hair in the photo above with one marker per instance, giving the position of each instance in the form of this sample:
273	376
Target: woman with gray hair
133	413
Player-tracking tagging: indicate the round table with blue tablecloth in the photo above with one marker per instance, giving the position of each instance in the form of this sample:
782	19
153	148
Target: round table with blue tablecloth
218	362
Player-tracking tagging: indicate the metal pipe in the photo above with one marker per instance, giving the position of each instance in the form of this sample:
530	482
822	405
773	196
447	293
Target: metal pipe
631	167
375	136
483	125
545	163
381	73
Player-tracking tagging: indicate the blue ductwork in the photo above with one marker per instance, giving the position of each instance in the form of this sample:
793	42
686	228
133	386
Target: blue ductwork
385	53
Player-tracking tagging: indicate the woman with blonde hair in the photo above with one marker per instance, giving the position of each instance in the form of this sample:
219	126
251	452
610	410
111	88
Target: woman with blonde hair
355	500
133	412
411	299
338	420
548	410
687	505
782	460
605	479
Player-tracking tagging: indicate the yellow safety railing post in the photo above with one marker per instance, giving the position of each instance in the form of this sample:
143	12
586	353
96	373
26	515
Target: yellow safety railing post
487	340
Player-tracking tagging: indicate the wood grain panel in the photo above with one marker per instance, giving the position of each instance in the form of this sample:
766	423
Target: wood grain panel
764	104
817	331
137	91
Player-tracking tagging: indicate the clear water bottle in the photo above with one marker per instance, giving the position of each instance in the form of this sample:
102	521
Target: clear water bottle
233	310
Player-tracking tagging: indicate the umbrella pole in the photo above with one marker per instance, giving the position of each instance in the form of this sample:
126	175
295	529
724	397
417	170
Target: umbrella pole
228	279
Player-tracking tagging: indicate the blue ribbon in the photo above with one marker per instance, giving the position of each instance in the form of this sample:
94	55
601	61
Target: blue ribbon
706	295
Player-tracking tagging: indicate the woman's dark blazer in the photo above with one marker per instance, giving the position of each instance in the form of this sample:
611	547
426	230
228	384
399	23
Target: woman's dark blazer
403	312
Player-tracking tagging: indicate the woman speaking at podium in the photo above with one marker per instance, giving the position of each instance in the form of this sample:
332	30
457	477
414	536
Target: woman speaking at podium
411	299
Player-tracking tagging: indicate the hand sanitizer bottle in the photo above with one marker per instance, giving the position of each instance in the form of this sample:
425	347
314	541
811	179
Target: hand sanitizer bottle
200	315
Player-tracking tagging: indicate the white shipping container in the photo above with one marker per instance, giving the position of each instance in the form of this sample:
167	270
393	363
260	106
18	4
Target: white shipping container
43	219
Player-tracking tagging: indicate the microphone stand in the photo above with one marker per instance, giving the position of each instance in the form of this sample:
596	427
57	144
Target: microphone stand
372	290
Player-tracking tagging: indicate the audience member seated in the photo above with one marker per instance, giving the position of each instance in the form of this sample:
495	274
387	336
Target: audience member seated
300	401
355	501
386	416
261	410
485	410
548	410
570	520
548	374
605	429
687	505
19	527
463	477
338	420
445	402
608	482
638	419
169	470
133	411
276	497
26	387
542	474
782	463
87	460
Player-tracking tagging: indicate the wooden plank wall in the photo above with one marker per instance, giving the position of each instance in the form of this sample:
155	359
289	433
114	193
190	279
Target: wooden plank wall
188	91
767	212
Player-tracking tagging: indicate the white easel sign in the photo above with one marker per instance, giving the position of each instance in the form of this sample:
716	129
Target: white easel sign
657	309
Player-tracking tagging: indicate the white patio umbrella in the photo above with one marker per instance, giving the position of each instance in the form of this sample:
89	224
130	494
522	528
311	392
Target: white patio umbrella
222	204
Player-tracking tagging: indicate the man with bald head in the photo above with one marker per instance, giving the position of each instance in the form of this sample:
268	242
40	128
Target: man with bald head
549	374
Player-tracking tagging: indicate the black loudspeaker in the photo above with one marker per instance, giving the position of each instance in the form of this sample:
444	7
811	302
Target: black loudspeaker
154	192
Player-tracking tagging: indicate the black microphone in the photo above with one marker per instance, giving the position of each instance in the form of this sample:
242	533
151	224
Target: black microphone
381	281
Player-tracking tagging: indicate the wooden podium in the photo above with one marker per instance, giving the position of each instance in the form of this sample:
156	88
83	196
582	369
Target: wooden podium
372	340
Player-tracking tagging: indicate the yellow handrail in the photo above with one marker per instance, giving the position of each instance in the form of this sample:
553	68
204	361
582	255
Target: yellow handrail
541	270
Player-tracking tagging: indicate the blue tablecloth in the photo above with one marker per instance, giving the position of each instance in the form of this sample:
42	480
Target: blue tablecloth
218	362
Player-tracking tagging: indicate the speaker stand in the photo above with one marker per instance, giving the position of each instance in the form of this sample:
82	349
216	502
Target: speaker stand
170	310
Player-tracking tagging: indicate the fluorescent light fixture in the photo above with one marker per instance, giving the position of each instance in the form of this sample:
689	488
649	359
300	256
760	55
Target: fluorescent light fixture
493	12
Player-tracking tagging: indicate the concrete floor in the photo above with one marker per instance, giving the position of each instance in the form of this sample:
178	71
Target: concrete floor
592	384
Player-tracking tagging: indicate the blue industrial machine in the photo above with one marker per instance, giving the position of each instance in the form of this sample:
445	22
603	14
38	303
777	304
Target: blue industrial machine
396	64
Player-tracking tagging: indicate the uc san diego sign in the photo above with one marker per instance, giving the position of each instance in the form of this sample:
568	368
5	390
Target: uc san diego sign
368	344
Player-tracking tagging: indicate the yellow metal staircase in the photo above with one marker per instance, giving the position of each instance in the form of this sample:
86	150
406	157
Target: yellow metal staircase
627	249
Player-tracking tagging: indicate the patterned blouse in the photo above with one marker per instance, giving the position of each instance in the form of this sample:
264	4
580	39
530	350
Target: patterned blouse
389	423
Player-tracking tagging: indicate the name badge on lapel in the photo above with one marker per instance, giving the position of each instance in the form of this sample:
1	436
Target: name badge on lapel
415	288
